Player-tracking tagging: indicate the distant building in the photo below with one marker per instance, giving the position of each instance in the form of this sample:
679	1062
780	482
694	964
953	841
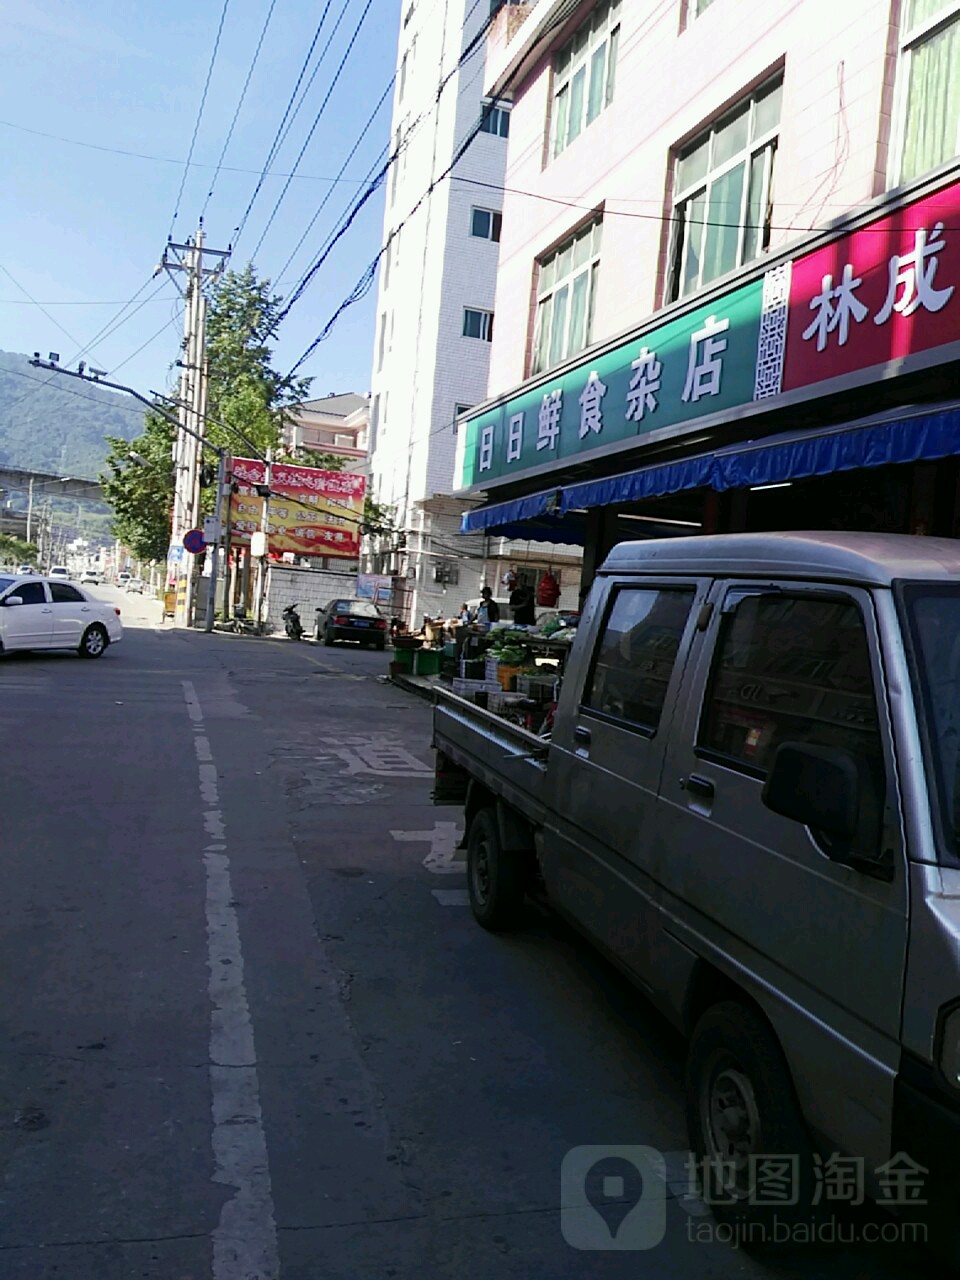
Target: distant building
335	424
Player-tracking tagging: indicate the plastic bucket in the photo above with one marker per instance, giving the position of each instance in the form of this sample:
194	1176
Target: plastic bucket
426	662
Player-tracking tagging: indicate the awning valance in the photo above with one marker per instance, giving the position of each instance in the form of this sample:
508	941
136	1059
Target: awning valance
875	442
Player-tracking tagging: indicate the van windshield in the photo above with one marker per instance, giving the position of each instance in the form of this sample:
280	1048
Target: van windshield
933	623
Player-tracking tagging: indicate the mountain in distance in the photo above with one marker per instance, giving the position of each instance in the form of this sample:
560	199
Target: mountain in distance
58	425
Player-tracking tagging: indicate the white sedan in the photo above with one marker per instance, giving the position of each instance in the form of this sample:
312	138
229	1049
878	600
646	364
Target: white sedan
37	613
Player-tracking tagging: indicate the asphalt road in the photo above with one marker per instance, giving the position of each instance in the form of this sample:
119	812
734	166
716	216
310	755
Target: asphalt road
249	1028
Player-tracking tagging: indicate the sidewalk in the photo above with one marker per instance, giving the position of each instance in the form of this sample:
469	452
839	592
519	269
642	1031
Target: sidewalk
422	686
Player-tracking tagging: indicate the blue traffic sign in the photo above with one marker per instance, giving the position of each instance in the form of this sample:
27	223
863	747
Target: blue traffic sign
194	541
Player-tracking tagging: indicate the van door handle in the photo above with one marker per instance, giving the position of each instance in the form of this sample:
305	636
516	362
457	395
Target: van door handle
582	735
699	785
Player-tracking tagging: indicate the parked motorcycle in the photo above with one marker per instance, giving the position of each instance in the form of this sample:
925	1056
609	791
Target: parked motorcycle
291	622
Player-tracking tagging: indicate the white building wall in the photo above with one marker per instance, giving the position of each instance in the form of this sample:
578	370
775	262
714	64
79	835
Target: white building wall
434	269
306	588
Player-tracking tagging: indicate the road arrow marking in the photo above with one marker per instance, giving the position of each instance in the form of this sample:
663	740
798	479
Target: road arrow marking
444	858
452	897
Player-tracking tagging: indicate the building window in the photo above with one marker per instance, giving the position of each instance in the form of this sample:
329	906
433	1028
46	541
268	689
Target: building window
485	223
382	345
584	72
698	6
458	411
477	324
566	288
724	193
402	84
929	85
495	120
407	16
387	257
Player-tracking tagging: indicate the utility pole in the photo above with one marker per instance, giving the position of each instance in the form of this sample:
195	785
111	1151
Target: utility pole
189	260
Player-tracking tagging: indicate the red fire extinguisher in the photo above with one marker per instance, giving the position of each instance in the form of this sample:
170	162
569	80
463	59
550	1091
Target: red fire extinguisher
548	590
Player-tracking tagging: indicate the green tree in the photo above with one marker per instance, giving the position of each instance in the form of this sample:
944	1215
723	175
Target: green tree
16	550
377	516
140	489
244	389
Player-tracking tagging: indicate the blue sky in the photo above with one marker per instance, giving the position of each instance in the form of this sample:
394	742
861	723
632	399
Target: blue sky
87	227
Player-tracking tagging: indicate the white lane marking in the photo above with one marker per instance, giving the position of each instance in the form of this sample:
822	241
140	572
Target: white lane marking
452	897
444	857
245	1240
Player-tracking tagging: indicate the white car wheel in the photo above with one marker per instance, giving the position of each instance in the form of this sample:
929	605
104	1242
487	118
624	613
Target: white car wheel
94	642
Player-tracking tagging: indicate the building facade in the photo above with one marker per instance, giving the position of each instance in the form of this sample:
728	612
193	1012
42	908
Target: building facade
435	311
336	425
729	262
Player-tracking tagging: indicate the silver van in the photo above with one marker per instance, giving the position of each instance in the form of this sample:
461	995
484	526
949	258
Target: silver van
751	802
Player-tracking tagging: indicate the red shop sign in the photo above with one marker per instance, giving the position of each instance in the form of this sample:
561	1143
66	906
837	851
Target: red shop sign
883	292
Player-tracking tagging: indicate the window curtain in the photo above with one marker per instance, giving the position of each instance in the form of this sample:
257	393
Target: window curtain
933	103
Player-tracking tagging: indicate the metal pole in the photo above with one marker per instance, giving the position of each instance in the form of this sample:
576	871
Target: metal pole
29	508
225	501
265	526
215	556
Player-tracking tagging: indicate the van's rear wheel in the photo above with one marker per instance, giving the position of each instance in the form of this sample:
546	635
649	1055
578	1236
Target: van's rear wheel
745	1126
496	881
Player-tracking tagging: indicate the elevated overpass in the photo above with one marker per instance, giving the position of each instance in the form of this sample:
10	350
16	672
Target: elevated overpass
17	480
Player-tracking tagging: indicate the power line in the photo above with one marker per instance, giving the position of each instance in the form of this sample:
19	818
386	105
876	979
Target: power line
363	284
464	56
111	325
243	94
38	305
143	155
196	127
274	145
163	328
67	302
352	153
323	106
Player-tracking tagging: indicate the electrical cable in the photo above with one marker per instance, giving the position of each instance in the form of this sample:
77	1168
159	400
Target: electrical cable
38	305
402	144
323	106
112	325
142	155
163	328
363	284
274	145
350	155
243	94
196	127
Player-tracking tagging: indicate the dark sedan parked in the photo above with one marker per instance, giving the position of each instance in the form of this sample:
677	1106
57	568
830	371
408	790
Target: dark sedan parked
351	620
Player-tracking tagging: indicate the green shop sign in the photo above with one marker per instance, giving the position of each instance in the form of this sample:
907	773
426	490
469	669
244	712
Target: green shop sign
699	364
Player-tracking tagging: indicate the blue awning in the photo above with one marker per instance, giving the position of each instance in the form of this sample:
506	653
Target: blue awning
875	442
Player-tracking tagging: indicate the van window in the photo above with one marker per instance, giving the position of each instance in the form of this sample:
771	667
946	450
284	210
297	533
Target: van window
636	653
933	615
791	669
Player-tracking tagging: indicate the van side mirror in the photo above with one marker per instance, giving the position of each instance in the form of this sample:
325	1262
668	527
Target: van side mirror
818	786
